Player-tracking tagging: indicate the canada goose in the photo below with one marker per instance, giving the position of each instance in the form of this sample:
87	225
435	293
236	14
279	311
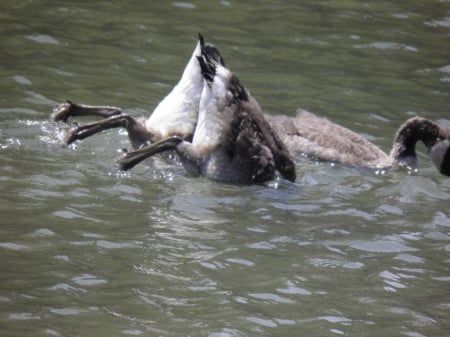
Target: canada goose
307	134
176	114
303	134
232	141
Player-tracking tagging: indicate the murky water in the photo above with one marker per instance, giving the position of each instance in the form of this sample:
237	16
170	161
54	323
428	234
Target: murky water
89	251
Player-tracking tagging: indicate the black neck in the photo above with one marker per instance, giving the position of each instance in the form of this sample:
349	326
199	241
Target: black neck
409	133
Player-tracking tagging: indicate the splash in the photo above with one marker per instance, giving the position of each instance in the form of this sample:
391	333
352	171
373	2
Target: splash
10	143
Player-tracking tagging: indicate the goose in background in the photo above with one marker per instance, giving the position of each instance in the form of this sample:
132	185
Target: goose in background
321	139
232	142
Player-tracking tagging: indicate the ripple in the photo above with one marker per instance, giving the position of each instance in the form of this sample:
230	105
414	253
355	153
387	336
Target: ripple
70	215
19	111
440	219
185	5
13	246
114	245
445	69
445	22
417	318
351	212
405	15
353	265
335	319
382	246
293	290
226	332
210	265
43	232
442	278
271	297
387	46
413	188
241	261
261	245
392	280
23	316
65	311
409	258
256	229
134	332
21	80
40	38
88	280
67	287
334	263
264	322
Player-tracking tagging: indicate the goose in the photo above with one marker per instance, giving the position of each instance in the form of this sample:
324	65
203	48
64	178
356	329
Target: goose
232	142
321	139
303	134
176	114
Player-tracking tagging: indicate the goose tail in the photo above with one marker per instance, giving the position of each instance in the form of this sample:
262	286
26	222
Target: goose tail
209	59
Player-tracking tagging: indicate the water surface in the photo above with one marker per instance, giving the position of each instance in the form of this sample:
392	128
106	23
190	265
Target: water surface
90	251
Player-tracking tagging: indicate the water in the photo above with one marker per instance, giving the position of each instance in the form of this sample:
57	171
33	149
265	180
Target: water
89	251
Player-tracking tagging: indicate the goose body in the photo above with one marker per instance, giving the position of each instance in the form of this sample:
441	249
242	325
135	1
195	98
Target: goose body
232	141
177	113
319	138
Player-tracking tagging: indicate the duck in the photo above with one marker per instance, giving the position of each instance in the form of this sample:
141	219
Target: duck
232	141
176	114
323	140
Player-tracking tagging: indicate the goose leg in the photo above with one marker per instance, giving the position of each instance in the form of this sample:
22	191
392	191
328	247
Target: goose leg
137	131
63	111
132	158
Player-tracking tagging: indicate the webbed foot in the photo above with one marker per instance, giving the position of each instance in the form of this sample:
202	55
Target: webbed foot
62	111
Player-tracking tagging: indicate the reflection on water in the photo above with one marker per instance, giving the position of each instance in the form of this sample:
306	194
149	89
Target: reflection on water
88	250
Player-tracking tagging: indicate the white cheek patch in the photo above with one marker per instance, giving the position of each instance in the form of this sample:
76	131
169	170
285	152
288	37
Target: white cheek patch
439	156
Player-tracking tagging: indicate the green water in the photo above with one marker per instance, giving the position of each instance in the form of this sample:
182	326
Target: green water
89	251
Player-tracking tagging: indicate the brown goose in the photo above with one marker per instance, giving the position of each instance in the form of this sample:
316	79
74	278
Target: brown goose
324	140
306	133
232	141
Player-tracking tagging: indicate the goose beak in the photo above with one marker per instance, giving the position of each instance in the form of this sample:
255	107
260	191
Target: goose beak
131	159
440	155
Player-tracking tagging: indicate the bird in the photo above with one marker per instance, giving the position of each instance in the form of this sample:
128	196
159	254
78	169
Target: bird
232	141
323	140
176	114
303	134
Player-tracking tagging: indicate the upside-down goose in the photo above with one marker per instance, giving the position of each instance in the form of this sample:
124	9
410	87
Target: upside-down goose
306	133
232	142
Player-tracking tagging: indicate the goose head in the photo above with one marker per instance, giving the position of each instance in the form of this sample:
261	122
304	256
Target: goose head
435	138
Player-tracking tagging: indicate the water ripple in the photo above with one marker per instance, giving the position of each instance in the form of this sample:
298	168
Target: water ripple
13	246
87	280
383	246
45	39
270	297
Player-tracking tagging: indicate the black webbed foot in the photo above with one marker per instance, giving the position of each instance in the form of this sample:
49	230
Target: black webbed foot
62	112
